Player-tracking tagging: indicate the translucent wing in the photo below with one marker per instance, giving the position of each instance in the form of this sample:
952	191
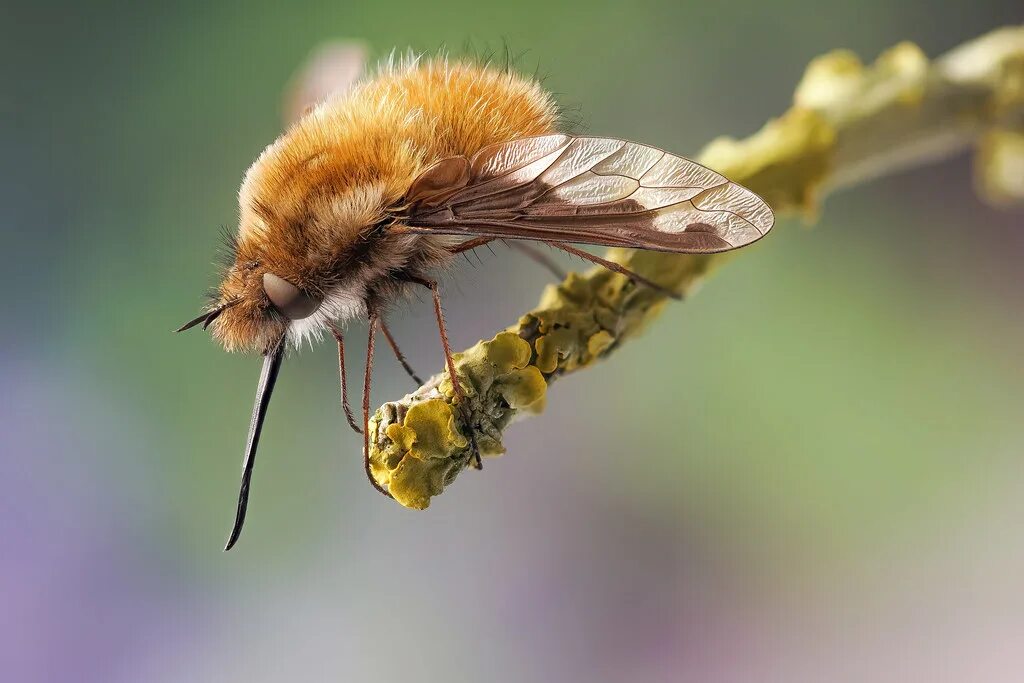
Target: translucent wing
330	72
587	190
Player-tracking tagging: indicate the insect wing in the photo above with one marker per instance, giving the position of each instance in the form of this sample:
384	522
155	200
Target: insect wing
591	190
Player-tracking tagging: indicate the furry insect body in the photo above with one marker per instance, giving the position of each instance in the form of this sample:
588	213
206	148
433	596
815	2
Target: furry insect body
317	206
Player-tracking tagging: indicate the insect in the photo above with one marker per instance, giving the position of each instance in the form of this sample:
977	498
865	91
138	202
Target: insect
370	195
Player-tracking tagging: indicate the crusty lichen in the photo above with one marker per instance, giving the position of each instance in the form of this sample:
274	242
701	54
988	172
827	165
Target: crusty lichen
423	453
420	451
848	122
999	167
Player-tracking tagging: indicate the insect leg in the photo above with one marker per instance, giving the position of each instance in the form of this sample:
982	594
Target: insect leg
366	403
468	245
398	353
344	381
538	256
456	386
527	249
615	267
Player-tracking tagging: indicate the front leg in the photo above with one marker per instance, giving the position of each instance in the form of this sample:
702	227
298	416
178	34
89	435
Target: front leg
338	337
367	381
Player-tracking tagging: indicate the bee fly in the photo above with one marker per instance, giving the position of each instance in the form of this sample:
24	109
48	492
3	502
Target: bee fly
372	194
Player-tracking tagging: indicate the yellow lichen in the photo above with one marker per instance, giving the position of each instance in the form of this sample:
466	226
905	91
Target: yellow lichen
598	342
420	455
829	78
428	445
841	88
523	388
999	167
903	67
1010	94
785	162
553	347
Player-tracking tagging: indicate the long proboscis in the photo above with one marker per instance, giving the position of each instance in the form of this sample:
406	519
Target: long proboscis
268	377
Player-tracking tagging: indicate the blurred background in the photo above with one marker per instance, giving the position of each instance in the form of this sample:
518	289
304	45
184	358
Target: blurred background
839	496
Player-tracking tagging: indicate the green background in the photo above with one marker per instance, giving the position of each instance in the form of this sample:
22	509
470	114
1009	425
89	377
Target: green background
810	471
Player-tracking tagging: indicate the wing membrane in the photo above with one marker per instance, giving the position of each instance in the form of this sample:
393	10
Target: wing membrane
590	190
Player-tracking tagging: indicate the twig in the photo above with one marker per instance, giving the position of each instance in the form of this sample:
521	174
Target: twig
848	123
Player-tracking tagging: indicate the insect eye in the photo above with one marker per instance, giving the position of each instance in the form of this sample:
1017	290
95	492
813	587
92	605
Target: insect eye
288	299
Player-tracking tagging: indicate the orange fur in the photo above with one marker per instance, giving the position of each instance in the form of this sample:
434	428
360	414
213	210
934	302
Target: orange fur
312	204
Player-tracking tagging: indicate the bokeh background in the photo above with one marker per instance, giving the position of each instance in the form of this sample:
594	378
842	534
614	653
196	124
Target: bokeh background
811	471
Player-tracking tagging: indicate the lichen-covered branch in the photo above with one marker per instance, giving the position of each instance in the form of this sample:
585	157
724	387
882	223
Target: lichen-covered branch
848	123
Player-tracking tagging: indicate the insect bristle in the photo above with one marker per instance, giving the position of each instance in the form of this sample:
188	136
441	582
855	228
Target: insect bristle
570	118
228	244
